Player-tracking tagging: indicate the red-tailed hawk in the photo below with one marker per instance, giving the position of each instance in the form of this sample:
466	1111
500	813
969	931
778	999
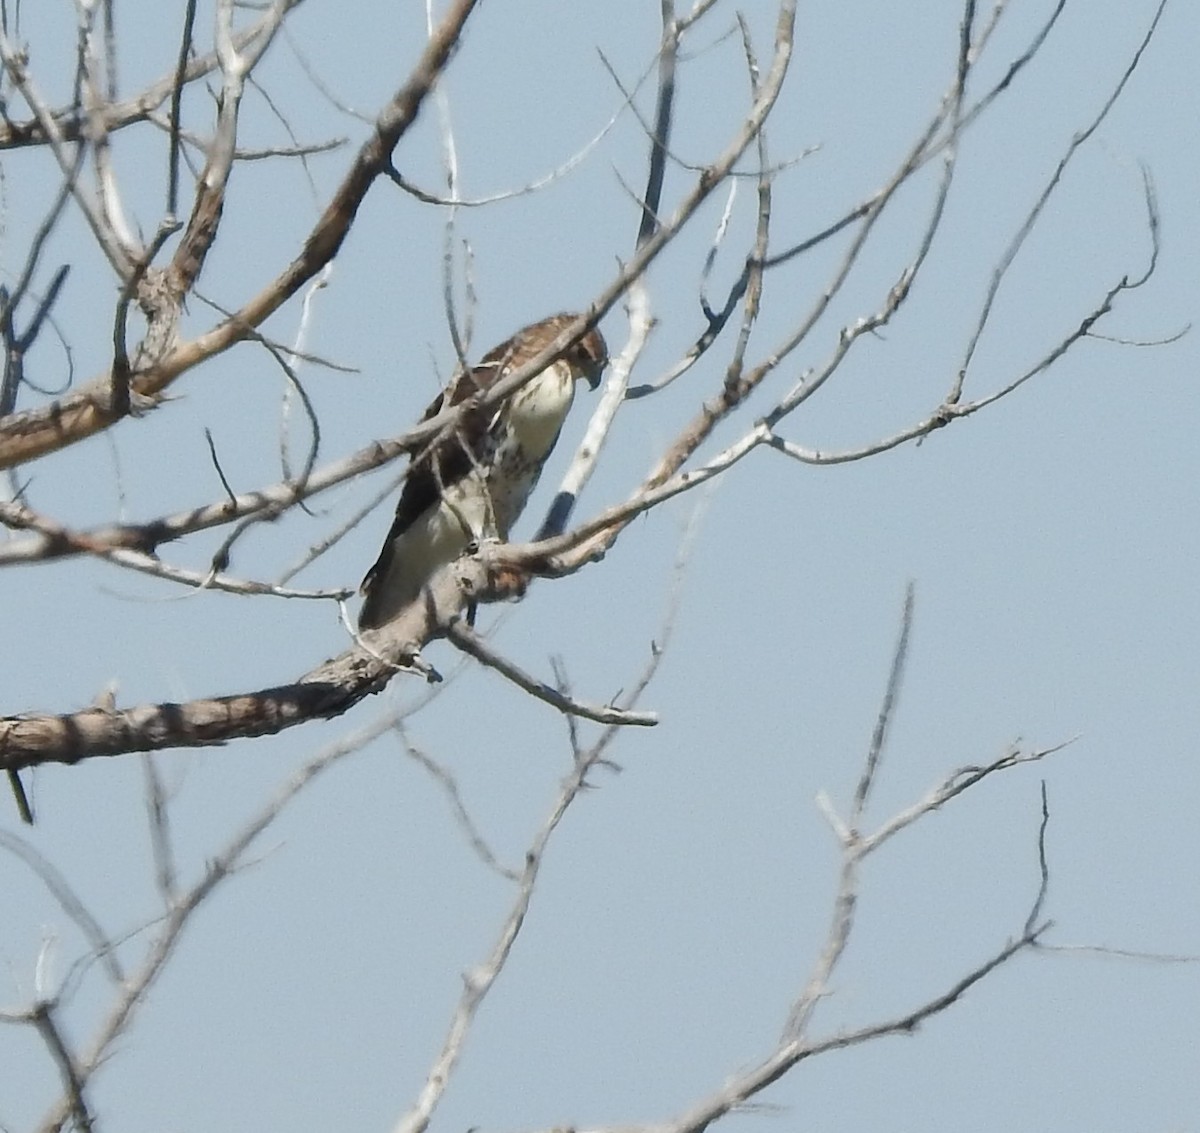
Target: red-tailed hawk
473	483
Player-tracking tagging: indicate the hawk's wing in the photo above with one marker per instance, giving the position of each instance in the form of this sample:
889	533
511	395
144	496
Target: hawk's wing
444	461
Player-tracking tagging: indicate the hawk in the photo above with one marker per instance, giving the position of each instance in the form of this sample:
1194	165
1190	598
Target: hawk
473	482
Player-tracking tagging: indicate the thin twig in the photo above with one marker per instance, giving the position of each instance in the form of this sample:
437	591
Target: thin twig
886	711
185	49
73	1078
470	642
69	901
462	816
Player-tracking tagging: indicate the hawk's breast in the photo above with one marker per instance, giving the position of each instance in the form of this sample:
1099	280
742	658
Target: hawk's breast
527	431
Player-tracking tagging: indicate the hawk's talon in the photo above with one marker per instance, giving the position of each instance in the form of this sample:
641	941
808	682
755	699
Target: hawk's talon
416	663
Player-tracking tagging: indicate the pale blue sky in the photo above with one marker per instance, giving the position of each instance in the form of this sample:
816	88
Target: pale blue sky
1052	539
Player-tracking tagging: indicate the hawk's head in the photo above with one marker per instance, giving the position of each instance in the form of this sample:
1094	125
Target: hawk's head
586	359
589	356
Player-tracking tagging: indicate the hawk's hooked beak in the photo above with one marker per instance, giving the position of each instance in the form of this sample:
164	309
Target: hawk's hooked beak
592	357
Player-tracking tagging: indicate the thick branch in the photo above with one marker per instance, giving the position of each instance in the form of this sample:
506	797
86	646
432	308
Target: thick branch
327	691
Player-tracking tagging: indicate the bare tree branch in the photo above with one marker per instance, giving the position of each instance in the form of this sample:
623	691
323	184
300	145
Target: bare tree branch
69	901
479	982
25	436
70	124
327	691
449	785
182	910
461	635
46	1023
